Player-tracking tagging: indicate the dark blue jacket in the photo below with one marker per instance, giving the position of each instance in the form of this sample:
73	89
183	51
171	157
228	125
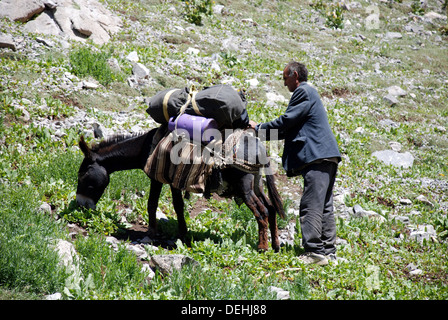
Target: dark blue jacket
305	128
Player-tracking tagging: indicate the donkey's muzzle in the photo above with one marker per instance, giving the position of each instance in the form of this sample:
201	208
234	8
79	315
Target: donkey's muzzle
85	202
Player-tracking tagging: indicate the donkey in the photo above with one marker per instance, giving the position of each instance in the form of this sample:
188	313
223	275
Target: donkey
131	152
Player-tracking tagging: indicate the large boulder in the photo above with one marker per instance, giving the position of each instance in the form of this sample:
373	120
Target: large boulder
21	10
77	20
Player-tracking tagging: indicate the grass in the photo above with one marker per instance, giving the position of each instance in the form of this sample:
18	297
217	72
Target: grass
35	167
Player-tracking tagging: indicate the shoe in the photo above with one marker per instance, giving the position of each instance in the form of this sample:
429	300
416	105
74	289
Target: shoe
313	258
332	258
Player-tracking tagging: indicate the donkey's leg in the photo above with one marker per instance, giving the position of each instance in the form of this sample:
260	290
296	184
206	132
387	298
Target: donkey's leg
258	209
153	202
272	218
178	203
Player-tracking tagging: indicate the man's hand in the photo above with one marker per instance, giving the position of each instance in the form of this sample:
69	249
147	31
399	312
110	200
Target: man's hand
252	124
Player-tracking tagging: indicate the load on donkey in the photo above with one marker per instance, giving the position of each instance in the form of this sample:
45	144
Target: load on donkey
189	153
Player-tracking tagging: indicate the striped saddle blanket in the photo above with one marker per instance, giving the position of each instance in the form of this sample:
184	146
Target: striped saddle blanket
178	162
185	165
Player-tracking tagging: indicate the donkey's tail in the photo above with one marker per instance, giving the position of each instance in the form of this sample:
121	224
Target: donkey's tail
274	196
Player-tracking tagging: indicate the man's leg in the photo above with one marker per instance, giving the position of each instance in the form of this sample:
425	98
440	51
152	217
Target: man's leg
317	180
328	221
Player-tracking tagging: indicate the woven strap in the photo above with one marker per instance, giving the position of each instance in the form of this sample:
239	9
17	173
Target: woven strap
165	103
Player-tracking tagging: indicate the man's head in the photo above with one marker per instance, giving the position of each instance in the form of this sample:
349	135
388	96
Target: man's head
293	74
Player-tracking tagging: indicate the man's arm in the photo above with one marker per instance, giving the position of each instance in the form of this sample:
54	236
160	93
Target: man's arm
297	109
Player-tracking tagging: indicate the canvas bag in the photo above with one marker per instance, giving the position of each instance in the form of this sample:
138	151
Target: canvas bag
220	102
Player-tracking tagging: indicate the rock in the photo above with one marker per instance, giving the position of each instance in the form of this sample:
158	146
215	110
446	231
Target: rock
54	296
133	57
281	294
77	20
67	253
138	249
390	157
434	16
113	242
405	202
192	51
160	215
422	233
6	41
421	198
44	24
413	270
46	42
147	269
394	35
359	212
253	82
89	85
21	10
396	91
402	219
218	9
45	208
273	98
140	71
390	100
395	146
286	235
170	262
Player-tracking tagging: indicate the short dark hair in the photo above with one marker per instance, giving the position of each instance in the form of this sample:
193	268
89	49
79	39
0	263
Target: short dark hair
300	68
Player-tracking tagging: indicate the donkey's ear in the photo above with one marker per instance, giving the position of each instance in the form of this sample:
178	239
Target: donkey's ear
84	147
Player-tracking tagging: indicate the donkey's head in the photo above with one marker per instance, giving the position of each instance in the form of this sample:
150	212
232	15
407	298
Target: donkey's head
93	178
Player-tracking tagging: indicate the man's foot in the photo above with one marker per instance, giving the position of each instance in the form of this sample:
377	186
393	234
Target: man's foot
313	258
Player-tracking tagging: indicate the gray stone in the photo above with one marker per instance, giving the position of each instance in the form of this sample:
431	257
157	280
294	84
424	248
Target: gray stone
390	157
394	35
140	71
67	254
77	20
43	24
167	263
421	198
390	100
396	91
6	41
405	202
54	296
45	208
422	233
435	16
132	57
281	294
21	10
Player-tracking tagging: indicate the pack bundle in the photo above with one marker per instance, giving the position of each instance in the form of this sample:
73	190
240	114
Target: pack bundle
220	102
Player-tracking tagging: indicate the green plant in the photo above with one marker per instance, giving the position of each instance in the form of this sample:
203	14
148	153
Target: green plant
86	62
196	9
417	8
335	16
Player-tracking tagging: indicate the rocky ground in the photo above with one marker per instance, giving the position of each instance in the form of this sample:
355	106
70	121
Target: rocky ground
385	89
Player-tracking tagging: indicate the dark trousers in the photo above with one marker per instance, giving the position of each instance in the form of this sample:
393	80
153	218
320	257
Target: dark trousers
316	208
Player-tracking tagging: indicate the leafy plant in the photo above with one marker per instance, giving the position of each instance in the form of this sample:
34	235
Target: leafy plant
85	62
335	16
417	8
196	9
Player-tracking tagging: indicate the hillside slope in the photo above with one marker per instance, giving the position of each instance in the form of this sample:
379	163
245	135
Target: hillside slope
383	80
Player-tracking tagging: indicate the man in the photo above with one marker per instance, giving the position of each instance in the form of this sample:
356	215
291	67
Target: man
310	150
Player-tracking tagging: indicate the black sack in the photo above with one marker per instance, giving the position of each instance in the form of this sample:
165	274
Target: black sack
220	102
